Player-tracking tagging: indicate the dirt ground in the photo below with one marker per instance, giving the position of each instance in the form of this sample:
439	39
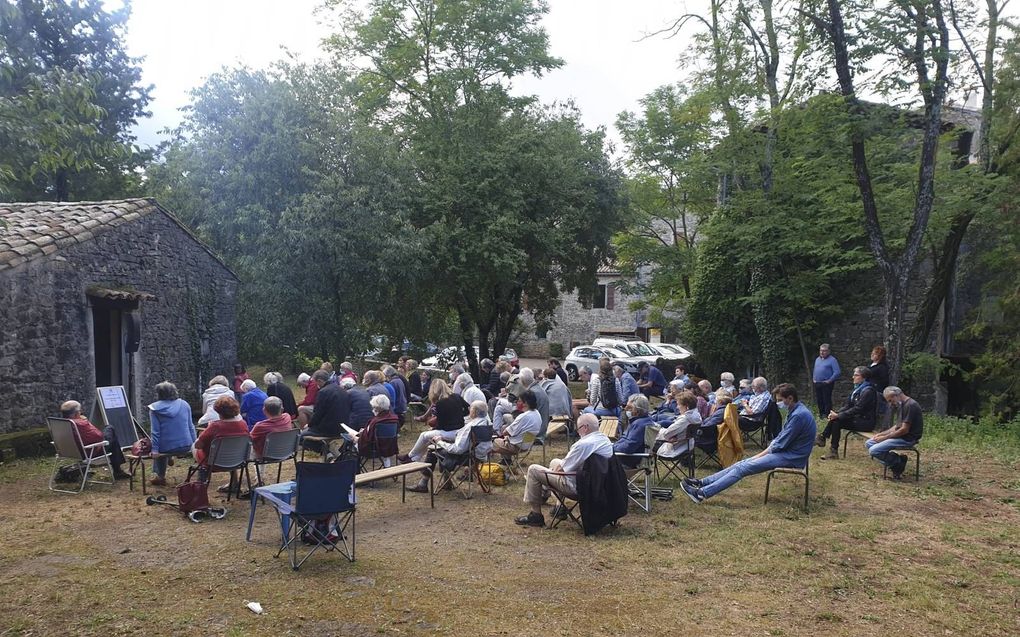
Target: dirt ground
873	557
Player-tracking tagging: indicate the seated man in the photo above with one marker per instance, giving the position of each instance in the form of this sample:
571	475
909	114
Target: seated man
90	435
276	420
667	412
633	439
651	382
857	415
539	481
906	434
558	393
744	393
477	417
332	407
791	448
511	442
626	386
752	409
680	374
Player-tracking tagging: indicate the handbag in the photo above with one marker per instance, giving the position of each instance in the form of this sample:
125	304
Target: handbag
193	496
141	447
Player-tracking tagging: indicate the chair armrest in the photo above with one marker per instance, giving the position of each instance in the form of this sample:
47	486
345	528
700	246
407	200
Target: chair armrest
101	443
632	455
560	473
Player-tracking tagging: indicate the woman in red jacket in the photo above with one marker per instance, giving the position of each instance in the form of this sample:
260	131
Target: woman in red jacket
229	424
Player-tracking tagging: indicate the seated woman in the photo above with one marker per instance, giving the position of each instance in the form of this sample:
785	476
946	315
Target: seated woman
230	423
252	399
370	445
218	386
450	410
172	432
478	416
667	412
674	438
633	439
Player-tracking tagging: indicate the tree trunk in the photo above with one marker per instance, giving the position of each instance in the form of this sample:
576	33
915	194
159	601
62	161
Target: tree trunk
942	280
61	186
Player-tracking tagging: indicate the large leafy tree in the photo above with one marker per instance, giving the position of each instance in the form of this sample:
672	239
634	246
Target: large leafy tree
69	95
514	202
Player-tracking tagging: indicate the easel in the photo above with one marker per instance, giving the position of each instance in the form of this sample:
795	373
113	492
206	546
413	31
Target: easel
111	408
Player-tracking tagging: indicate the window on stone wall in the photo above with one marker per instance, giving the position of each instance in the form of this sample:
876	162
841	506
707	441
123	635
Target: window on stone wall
601	298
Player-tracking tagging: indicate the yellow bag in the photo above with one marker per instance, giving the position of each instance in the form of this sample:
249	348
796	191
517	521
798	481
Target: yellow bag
492	474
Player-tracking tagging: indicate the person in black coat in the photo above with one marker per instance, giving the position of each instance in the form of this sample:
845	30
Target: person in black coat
556	367
415	391
857	415
276	387
332	407
879	369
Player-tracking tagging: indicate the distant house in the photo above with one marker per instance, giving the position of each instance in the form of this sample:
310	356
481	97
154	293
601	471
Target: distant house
106	293
574	324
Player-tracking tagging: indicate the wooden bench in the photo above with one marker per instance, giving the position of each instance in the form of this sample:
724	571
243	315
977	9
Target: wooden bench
865	435
401	471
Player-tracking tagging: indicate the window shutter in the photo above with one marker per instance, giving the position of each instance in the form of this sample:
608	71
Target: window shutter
610	296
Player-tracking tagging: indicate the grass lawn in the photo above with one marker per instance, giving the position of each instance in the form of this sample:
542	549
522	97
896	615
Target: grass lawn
873	557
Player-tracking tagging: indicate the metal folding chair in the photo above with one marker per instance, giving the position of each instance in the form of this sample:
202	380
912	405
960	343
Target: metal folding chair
804	473
228	453
323	510
279	447
70	452
464	470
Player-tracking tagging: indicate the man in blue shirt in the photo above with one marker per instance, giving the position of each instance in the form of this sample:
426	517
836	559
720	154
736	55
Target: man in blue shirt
651	381
791	448
825	376
626	386
633	439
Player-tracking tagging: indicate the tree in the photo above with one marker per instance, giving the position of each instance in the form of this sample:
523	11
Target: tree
69	95
917	31
514	202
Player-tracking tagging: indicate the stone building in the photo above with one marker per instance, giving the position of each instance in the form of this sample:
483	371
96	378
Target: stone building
574	324
106	293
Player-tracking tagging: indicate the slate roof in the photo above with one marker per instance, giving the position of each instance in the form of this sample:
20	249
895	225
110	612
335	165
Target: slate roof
32	230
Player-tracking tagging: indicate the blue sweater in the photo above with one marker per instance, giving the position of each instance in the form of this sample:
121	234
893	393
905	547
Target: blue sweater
795	441
826	369
251	406
633	440
170	421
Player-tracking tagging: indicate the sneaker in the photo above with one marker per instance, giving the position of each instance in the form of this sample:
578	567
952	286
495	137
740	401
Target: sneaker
693	493
531	519
120	474
820	440
156	481
832	455
693	482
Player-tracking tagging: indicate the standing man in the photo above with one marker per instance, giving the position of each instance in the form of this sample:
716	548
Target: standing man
906	434
825	376
554	364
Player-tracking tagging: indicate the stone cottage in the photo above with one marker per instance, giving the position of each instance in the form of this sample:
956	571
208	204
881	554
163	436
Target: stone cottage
106	293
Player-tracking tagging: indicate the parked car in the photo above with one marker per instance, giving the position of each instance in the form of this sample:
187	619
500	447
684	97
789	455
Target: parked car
510	355
589	355
632	348
671	350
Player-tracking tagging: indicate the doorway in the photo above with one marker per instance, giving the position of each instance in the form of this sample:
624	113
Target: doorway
107	341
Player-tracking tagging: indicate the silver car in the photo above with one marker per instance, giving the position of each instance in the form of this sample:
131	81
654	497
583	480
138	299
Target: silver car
589	355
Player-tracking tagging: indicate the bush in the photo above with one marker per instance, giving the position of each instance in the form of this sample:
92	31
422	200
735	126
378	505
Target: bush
556	350
1001	440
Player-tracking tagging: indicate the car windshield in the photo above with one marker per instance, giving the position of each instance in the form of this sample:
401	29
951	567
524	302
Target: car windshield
640	349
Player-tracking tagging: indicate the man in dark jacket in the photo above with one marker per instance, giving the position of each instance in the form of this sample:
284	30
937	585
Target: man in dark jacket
857	415
332	407
361	408
276	387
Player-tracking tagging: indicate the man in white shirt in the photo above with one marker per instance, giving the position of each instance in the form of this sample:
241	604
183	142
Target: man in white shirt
539	480
530	421
465	386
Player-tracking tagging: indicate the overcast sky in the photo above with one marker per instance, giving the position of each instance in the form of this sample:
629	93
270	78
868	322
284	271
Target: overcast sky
606	68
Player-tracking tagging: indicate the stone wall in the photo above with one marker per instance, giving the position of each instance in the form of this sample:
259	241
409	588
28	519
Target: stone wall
46	351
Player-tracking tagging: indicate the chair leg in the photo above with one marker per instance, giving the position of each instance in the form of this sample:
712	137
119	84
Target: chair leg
768	484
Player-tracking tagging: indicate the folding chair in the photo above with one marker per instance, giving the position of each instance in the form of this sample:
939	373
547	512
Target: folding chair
383	446
70	452
515	463
279	447
127	435
761	428
917	462
706	440
229	453
682	465
591	464
463	470
323	509
639	479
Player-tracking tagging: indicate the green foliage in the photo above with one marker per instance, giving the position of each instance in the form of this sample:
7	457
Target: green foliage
69	96
988	436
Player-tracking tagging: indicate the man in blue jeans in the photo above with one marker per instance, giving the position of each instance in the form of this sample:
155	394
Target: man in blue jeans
791	448
906	434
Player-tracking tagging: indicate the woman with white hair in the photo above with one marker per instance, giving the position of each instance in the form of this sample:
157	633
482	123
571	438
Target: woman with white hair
276	387
379	437
252	400
726	380
478	416
218	386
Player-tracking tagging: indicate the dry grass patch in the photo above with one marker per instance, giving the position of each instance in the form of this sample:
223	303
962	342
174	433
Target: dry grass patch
872	557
